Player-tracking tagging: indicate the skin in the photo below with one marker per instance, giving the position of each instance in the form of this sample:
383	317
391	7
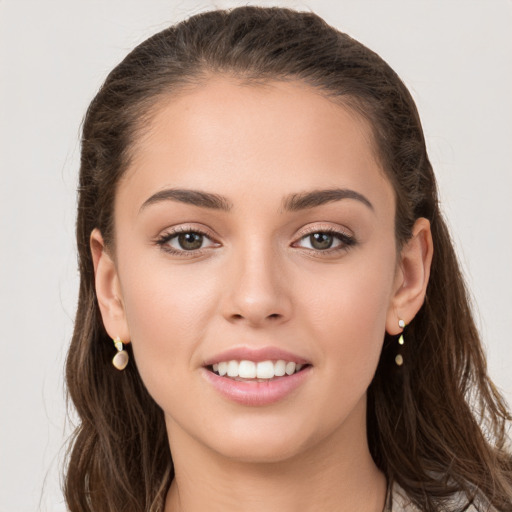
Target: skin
258	281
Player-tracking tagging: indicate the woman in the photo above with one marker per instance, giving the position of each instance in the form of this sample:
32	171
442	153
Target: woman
271	314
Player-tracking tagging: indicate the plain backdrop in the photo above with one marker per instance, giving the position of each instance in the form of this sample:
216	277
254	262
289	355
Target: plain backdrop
455	56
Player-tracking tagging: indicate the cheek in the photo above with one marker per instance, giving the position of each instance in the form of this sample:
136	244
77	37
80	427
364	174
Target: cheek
349	315
167	311
347	323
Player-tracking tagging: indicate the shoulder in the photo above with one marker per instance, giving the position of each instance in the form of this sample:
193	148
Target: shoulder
400	502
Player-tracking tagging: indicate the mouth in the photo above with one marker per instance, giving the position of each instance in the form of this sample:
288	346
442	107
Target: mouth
257	378
256	371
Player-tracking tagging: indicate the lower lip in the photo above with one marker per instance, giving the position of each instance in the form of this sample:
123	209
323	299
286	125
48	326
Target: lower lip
256	393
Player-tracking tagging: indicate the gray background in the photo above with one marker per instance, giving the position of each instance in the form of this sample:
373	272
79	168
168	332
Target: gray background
456	58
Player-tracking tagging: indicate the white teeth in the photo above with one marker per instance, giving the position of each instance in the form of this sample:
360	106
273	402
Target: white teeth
290	368
233	368
262	370
265	370
280	368
247	370
223	368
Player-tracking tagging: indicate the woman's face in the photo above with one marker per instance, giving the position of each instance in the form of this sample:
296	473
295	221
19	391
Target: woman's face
256	224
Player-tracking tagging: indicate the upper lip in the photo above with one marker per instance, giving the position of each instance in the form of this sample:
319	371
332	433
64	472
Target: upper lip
256	355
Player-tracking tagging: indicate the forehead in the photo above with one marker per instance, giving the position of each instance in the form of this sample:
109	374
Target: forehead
238	136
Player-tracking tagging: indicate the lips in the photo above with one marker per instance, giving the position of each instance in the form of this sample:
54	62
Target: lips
256	377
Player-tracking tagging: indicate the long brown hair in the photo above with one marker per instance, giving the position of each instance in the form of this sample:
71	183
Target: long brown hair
436	425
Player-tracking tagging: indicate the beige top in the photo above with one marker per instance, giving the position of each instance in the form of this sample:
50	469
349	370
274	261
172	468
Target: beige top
399	502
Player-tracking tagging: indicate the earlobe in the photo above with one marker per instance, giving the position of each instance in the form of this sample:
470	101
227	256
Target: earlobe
412	277
108	290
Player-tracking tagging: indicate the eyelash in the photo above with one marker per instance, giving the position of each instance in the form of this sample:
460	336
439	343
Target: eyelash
163	240
347	241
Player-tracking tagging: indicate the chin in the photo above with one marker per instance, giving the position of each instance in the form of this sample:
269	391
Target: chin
261	451
265	441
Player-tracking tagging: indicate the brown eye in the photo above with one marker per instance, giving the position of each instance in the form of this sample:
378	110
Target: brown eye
327	241
321	241
185	241
190	241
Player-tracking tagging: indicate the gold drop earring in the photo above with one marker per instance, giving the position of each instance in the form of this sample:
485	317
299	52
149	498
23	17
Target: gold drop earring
399	360
120	360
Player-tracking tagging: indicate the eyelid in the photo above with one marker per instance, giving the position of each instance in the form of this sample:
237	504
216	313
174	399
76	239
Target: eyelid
188	228
322	228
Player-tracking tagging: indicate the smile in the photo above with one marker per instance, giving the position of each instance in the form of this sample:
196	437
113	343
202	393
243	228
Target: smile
260	371
256	377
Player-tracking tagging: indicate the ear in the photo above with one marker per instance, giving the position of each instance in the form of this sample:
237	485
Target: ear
411	278
108	289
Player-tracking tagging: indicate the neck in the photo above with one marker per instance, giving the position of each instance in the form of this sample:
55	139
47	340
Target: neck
335	474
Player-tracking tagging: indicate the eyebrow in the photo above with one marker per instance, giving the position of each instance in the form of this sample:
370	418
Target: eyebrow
292	203
304	200
194	197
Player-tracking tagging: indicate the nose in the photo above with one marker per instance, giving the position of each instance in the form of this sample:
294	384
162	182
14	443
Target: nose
258	293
